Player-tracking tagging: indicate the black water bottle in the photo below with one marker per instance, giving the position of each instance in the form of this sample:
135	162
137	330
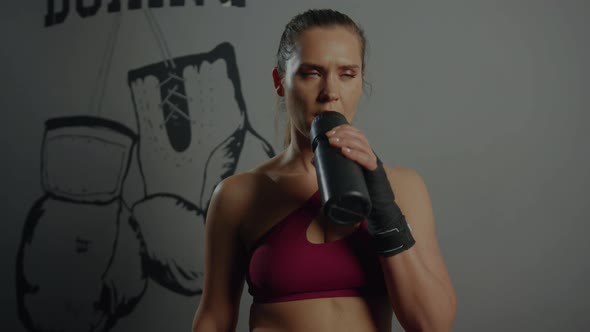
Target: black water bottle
343	190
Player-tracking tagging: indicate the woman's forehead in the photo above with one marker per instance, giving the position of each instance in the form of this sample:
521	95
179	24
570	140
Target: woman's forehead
333	44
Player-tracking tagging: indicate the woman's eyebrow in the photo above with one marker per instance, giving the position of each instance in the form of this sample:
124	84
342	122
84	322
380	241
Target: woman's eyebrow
350	67
311	65
319	67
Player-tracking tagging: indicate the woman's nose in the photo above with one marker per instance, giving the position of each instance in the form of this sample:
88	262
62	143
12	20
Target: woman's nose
329	91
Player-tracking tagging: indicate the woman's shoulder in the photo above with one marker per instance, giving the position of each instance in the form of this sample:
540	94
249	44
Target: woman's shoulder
245	189
235	198
409	188
405	181
401	175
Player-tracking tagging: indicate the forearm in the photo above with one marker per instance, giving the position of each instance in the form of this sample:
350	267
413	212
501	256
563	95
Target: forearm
204	322
420	300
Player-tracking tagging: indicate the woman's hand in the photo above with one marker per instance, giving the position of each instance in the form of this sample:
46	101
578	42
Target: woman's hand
386	223
354	145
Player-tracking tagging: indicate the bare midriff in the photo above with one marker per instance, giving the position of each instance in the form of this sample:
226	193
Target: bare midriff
324	314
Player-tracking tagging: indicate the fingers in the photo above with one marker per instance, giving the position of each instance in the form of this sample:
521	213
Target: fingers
348	136
347	131
362	158
354	145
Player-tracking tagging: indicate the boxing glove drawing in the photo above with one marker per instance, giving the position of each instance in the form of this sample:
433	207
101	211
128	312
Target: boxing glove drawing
79	264
193	132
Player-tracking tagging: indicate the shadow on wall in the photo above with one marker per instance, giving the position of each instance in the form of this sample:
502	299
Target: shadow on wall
86	255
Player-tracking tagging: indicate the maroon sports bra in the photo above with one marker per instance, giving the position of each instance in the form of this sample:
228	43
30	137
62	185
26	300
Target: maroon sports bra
285	266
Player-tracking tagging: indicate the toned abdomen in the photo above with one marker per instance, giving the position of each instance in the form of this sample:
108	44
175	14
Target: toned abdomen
324	314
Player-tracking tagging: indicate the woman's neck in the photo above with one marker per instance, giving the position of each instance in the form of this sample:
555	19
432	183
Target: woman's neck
298	154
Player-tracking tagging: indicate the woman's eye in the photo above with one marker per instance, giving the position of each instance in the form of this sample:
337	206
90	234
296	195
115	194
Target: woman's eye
309	73
348	74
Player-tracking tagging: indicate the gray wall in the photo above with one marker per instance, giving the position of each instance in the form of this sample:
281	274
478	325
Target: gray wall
488	101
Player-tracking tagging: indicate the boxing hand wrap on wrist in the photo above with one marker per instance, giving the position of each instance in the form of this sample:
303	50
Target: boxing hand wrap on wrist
386	223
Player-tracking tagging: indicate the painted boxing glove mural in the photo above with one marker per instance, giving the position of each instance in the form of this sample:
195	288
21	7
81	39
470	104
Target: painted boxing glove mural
89	247
193	132
78	266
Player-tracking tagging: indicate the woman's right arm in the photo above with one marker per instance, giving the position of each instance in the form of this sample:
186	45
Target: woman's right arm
225	260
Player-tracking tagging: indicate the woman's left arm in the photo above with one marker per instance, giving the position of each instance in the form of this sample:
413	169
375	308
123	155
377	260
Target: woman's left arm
418	283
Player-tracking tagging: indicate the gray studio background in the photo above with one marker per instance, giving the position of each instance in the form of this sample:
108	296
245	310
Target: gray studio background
487	100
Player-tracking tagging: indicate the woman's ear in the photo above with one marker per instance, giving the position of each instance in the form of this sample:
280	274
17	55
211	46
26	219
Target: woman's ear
278	82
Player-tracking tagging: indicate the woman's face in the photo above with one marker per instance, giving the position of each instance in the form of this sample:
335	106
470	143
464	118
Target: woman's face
324	74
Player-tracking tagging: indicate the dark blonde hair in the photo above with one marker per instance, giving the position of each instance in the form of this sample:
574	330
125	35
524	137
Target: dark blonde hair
306	20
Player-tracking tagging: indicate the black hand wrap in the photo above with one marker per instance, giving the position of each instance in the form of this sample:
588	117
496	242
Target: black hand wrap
386	223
